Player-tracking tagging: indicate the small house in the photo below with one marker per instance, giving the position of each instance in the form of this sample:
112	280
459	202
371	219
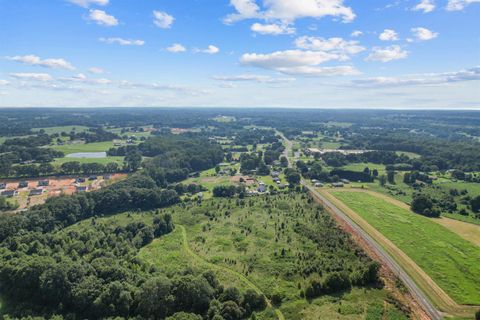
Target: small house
81	189
9	193
43	183
346	181
337	184
23	184
318	185
275	174
314	180
80	180
92	178
36	192
262	187
3	185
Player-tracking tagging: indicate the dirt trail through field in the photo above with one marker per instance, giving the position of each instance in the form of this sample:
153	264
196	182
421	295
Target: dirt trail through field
236	274
429	287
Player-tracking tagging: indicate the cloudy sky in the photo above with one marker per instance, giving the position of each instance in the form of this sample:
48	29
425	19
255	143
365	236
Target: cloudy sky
240	53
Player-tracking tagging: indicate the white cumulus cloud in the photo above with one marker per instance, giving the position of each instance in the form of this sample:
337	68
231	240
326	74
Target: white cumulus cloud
47	63
272	29
211	49
423	34
344	48
298	62
88	3
123	42
288	10
471	74
254	78
387	54
162	19
425	5
457	5
96	70
356	33
44	77
176	48
100	17
82	78
388	35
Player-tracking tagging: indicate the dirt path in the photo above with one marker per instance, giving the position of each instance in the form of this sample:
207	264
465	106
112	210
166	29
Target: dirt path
240	276
428	286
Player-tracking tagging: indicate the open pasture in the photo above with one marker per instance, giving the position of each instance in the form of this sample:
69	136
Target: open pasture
83	147
452	262
258	241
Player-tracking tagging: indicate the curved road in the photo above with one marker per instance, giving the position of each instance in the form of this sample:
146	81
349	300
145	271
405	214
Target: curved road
419	296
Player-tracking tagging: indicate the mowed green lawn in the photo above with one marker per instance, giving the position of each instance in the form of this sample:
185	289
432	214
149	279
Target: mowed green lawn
452	262
83	147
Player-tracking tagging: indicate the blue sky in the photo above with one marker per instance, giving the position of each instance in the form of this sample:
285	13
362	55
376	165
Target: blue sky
240	53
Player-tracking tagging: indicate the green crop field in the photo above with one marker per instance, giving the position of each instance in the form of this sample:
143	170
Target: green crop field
449	260
84	147
257	242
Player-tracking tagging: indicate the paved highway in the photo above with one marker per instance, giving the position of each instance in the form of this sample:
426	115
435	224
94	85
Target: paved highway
419	296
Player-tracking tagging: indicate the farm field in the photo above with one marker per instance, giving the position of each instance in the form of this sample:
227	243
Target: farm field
472	188
60	161
466	230
361	166
67	129
83	147
138	135
449	260
243	244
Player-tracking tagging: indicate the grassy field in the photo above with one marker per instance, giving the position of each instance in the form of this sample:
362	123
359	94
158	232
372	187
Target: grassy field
84	147
138	135
449	260
330	145
472	188
67	129
245	241
411	155
60	161
359	167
